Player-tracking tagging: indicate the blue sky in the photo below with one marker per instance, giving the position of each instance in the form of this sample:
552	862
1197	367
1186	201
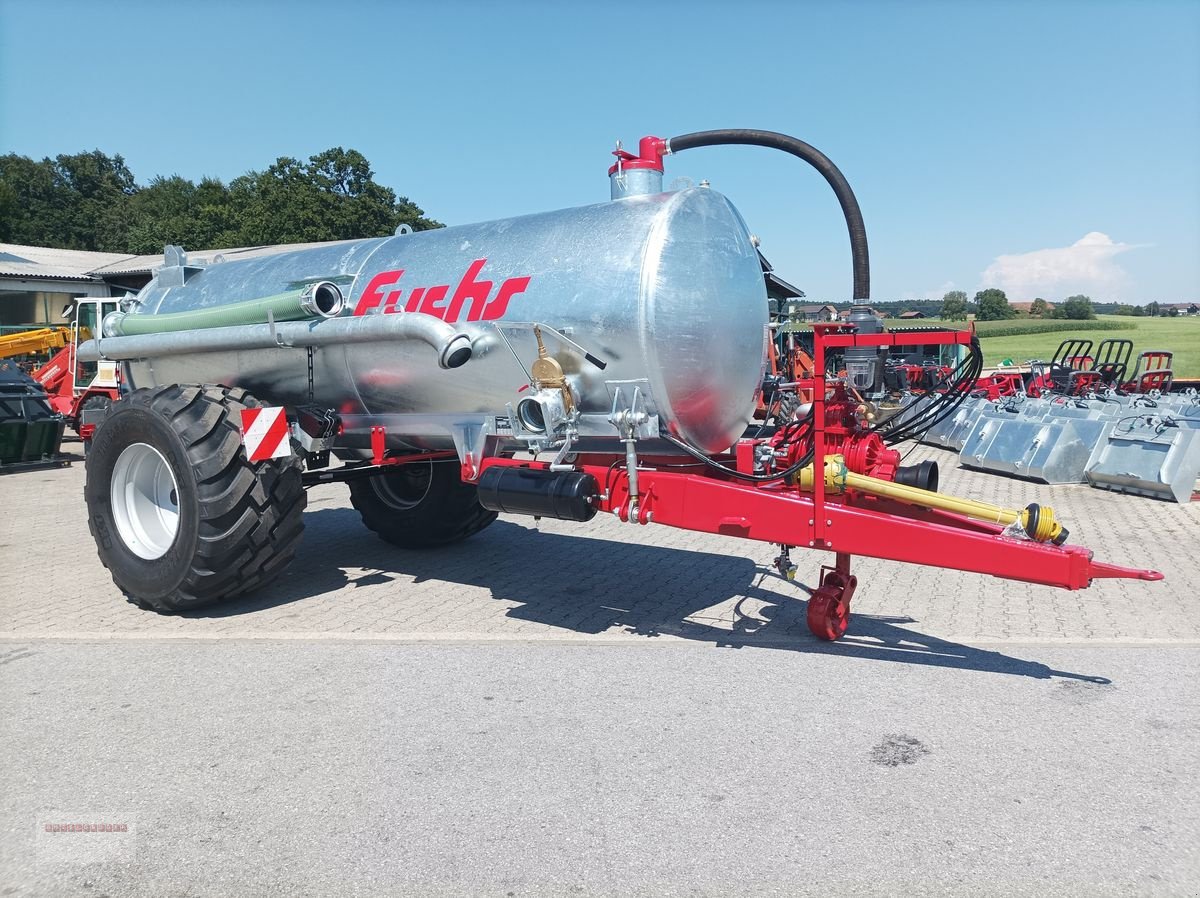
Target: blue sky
1047	148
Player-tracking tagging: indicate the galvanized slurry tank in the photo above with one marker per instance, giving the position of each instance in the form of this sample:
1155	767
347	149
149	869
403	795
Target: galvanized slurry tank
665	288
653	311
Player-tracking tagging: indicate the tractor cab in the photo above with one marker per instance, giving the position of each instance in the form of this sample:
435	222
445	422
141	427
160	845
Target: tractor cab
81	392
87	317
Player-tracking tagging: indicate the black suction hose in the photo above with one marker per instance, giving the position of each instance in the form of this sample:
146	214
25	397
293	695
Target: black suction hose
819	161
854	224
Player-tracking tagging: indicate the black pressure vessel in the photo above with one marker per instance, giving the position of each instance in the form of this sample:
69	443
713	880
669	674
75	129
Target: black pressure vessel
566	495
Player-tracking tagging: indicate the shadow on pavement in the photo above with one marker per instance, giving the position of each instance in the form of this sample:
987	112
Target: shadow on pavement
590	585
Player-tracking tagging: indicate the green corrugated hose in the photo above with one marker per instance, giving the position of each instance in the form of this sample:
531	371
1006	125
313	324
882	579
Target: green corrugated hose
322	299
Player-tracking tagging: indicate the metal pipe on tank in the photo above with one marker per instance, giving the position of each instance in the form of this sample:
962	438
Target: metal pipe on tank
453	348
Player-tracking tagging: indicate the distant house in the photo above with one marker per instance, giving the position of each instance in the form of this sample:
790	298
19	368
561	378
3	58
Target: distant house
911	316
38	282
810	314
1181	308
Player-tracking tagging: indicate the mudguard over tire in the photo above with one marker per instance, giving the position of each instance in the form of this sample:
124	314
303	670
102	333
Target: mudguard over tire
181	519
420	505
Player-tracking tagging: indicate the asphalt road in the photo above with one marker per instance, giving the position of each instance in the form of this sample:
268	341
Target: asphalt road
662	768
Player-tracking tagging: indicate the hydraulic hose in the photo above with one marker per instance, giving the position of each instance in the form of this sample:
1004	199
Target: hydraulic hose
819	161
915	421
320	300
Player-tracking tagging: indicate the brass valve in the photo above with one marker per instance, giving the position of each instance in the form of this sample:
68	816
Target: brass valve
548	374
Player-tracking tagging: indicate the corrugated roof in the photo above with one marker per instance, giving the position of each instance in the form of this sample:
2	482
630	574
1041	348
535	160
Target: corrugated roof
48	263
147	264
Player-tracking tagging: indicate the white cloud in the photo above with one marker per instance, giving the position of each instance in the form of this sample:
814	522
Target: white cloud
1086	266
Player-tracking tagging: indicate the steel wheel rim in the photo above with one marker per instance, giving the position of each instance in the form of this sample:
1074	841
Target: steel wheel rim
828	616
145	501
405	487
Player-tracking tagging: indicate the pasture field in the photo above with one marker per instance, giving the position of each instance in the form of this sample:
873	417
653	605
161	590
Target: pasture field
1179	335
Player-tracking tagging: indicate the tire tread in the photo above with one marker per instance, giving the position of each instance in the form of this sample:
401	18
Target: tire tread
448	514
250	512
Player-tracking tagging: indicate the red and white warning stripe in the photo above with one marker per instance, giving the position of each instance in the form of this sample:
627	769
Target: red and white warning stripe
265	433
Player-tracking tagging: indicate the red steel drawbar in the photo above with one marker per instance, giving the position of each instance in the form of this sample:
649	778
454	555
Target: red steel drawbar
847	523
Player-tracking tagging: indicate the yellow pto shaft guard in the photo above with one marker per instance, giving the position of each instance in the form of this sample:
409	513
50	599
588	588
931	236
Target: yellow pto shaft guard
1035	521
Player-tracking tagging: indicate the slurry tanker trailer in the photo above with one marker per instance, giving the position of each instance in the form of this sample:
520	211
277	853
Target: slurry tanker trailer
616	359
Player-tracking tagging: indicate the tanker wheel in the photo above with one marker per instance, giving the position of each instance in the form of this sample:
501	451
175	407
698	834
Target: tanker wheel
180	517
829	606
420	505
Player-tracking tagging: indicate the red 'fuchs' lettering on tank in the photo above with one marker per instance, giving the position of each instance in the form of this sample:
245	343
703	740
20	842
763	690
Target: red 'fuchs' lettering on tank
473	295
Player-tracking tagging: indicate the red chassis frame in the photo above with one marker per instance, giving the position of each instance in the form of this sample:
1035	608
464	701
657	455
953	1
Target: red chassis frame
846	523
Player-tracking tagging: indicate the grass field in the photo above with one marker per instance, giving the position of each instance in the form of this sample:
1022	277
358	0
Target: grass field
1179	335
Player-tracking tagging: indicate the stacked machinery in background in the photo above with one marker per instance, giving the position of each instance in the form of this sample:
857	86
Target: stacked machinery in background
30	430
1083	417
76	393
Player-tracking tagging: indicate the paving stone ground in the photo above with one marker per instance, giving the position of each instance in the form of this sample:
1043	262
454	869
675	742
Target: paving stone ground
609	581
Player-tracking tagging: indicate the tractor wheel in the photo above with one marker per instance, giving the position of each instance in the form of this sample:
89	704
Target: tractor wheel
97	403
789	404
420	505
180	517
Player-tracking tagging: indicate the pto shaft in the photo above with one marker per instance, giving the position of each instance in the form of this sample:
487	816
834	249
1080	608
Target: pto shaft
1037	522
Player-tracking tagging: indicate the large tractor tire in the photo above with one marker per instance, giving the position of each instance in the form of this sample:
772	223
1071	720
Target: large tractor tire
181	519
420	505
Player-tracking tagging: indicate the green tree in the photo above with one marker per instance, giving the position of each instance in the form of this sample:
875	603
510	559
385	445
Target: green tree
161	213
1125	309
993	305
34	212
331	197
1152	309
1078	308
72	201
94	190
10	208
91	201
954	306
1038	308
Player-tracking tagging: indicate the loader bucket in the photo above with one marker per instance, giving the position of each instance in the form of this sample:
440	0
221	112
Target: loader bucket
1148	457
29	429
953	431
1048	451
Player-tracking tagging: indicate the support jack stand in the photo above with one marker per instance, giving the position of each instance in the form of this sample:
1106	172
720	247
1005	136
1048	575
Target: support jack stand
829	606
